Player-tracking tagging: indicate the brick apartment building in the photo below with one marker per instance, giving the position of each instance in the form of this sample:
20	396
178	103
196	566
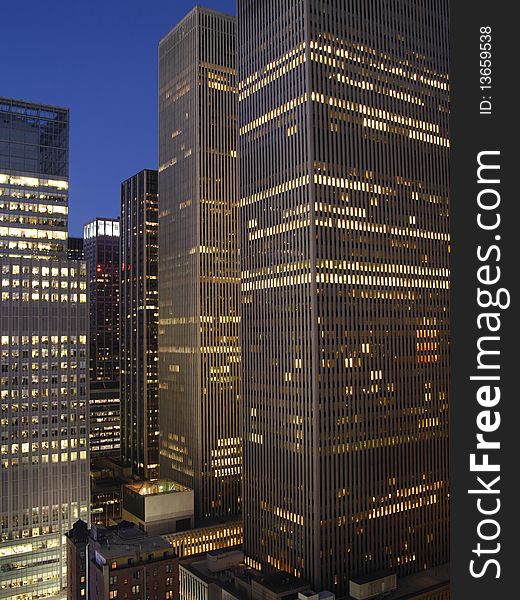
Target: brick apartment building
120	562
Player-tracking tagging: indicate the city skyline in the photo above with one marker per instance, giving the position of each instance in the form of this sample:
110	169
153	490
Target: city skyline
275	297
126	43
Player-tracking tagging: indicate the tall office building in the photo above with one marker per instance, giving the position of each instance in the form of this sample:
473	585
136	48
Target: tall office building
44	480
343	120
139	309
101	247
199	351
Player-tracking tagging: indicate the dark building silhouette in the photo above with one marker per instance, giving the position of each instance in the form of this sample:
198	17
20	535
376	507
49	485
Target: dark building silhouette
107	477
139	311
101	247
77	552
75	248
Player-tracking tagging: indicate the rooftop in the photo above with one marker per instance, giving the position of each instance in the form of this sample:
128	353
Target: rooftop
5	101
197	10
283	582
79	532
126	540
408	586
161	486
224	578
372	576
323	595
411	585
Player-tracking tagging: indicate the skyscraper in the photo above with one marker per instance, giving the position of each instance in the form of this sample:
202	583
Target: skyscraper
139	311
198	262
101	247
44	481
343	120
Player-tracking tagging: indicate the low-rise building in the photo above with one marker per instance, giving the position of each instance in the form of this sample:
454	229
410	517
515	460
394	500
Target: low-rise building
224	576
166	508
278	586
159	507
215	536
77	545
432	584
120	561
212	577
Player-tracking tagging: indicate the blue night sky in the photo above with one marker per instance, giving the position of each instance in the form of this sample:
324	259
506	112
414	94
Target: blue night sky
98	58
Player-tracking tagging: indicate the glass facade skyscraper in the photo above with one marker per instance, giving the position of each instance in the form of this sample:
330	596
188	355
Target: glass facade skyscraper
343	120
199	353
44	471
101	248
139	309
